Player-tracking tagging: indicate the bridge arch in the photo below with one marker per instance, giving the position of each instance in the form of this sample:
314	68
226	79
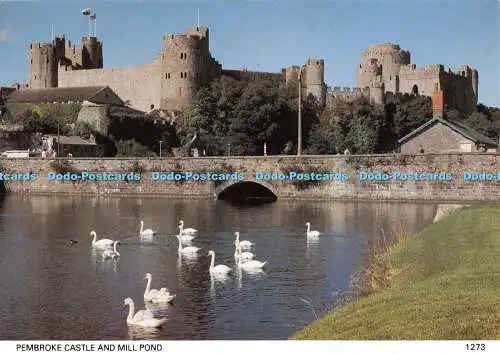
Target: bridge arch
257	189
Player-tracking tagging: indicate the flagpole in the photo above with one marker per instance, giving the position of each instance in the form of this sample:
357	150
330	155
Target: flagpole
95	26
53	31
198	17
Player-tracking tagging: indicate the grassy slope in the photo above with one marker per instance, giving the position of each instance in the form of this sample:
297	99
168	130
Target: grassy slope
445	285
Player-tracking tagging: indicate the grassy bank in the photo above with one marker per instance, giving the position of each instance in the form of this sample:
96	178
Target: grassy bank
444	283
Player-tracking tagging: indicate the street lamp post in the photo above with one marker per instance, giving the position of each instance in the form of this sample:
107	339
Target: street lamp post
299	123
160	147
58	141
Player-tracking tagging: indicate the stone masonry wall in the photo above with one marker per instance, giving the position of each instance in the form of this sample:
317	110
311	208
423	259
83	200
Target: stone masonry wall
433	139
454	190
139	85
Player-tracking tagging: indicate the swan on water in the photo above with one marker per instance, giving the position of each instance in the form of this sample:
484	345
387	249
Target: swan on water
245	256
250	264
143	318
147	232
111	254
102	243
244	244
311	233
186	238
187	230
189	250
154	295
219	269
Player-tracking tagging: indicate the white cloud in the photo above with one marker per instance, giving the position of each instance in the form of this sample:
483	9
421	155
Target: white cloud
5	34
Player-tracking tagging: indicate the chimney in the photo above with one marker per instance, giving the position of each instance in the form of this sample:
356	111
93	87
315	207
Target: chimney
437	103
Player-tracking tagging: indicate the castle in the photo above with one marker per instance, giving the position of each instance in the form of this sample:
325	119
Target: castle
185	64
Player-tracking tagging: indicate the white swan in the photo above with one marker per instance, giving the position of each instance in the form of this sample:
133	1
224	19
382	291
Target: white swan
251	264
187	230
154	295
184	237
147	232
245	256
219	269
102	243
189	250
311	233
245	245
143	318
111	254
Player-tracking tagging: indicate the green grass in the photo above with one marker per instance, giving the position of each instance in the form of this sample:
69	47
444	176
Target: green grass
444	283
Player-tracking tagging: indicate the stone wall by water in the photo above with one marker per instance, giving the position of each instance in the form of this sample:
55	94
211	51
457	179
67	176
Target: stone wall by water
453	164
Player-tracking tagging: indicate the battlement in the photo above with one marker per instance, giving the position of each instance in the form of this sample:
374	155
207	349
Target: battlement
412	69
314	62
347	90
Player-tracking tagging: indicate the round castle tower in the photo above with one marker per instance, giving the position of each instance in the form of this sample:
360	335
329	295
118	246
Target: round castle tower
315	79
181	63
91	53
390	57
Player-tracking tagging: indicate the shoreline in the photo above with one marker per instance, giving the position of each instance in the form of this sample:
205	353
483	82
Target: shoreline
429	289
319	199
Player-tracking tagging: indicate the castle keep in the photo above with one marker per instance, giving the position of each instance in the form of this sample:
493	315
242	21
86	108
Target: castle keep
185	64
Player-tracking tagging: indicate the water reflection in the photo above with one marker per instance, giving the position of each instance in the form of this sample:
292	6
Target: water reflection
138	333
69	281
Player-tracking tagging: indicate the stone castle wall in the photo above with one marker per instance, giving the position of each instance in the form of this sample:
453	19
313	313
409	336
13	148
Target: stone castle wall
185	64
389	64
140	84
454	190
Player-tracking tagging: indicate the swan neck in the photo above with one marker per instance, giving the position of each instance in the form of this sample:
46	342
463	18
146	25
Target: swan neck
181	228
308	228
212	261
94	239
180	243
114	248
131	311
142	227
148	286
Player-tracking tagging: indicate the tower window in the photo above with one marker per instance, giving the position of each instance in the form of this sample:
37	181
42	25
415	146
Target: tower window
185	55
185	75
182	75
47	60
35	77
31	61
182	55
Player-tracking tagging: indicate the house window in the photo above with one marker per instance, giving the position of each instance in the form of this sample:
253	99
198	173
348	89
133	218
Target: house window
466	147
167	76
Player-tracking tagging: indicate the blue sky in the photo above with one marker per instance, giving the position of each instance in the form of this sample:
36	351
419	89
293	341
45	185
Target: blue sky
269	35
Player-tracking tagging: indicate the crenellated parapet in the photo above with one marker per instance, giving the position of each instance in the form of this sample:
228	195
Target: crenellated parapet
45	59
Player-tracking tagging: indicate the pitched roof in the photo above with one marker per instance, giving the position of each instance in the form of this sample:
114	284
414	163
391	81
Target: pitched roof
458	127
56	94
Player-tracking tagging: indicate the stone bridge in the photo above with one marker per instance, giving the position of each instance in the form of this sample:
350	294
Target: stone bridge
342	174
